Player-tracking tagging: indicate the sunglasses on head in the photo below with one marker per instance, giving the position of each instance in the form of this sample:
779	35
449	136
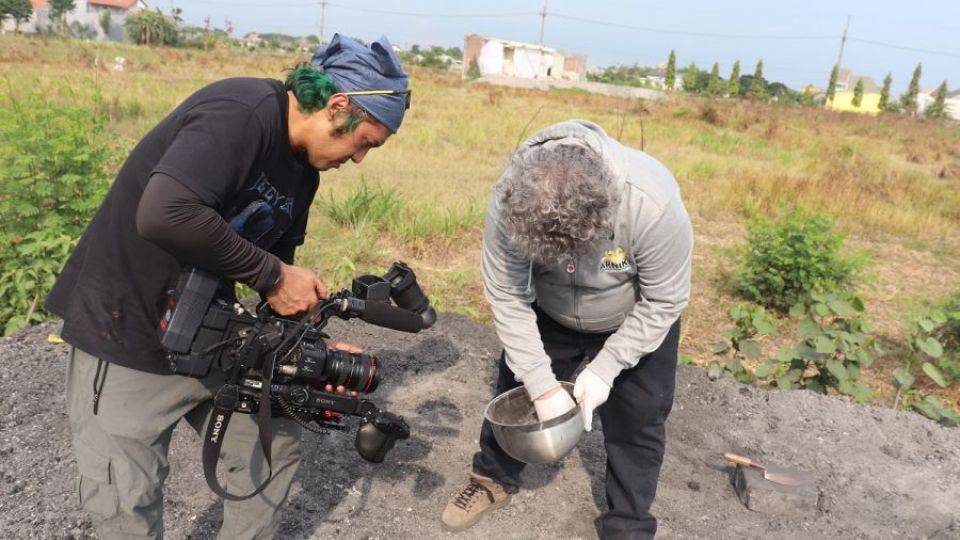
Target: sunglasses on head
407	93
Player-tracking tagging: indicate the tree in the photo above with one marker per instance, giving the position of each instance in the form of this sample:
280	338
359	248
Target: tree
59	10
885	93
105	22
777	89
671	78
832	85
938	109
150	27
733	85
858	93
909	99
758	86
18	10
713	86
690	78
473	71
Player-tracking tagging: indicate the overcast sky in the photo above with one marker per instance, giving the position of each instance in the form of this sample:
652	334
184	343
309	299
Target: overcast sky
798	41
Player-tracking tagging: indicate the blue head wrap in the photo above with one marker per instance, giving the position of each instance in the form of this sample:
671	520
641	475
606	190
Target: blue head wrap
355	67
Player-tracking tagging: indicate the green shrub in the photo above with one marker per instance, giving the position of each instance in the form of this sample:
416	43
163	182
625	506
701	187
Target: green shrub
52	177
949	332
473	71
785	261
931	342
27	275
740	342
835	345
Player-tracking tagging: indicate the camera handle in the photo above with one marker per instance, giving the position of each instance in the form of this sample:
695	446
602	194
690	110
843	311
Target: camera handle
224	404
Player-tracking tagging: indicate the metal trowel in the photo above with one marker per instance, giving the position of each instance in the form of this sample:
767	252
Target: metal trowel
773	476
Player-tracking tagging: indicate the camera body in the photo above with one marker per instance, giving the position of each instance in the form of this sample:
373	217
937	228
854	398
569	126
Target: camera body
307	380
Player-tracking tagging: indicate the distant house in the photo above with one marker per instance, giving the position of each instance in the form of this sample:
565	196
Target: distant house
251	40
953	104
495	56
844	94
85	17
658	79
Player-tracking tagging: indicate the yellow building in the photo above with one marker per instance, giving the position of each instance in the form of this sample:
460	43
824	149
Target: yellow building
843	101
843	97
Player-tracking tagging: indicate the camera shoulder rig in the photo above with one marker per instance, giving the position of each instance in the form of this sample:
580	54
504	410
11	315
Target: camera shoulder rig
277	366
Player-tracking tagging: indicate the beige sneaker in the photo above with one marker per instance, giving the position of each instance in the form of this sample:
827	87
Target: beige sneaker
480	496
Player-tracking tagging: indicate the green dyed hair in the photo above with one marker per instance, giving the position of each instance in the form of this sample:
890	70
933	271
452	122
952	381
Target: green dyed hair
313	89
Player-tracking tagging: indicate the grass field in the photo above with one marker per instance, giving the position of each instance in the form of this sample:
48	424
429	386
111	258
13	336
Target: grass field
892	183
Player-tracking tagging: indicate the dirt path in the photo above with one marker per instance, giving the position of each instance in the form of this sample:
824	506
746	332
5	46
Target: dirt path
881	474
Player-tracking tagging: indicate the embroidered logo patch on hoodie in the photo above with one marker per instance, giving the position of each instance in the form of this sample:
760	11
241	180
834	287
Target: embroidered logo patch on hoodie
614	260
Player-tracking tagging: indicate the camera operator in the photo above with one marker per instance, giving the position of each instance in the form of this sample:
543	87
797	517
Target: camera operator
223	183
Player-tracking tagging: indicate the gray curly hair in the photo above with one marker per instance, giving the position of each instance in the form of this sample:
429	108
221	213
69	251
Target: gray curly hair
556	199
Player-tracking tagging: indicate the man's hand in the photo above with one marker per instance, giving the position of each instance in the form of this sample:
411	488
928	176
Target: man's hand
297	291
345	347
591	391
553	403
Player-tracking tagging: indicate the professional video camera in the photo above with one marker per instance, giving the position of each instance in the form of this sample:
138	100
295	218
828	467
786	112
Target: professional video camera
277	365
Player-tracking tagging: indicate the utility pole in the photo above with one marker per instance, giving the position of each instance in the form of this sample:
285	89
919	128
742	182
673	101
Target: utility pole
843	40
323	12
543	21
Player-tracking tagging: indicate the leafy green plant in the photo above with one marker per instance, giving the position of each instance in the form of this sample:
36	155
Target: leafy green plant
931	407
835	346
27	274
740	342
949	332
473	71
785	261
939	364
52	178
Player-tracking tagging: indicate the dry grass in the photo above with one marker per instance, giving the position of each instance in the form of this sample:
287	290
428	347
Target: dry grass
891	182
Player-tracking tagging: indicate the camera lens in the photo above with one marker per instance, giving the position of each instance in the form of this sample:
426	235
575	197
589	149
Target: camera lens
355	371
318	365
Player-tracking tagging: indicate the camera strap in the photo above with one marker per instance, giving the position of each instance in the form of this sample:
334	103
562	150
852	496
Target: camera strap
224	404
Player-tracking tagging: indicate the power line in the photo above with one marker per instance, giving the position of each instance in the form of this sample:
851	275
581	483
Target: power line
682	33
256	4
902	48
543	13
446	15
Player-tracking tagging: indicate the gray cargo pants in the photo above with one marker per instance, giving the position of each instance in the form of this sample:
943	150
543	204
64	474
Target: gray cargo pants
122	450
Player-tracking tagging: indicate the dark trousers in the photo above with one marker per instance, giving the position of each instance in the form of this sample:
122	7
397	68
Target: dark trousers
633	426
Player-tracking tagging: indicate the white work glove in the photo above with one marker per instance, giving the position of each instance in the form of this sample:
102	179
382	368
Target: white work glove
591	392
553	405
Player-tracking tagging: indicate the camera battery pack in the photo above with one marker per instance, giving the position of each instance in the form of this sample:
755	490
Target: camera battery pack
186	307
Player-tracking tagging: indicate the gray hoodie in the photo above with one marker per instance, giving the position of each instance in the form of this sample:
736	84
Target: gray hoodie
634	284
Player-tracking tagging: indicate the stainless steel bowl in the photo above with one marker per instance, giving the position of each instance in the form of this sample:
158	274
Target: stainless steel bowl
519	434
